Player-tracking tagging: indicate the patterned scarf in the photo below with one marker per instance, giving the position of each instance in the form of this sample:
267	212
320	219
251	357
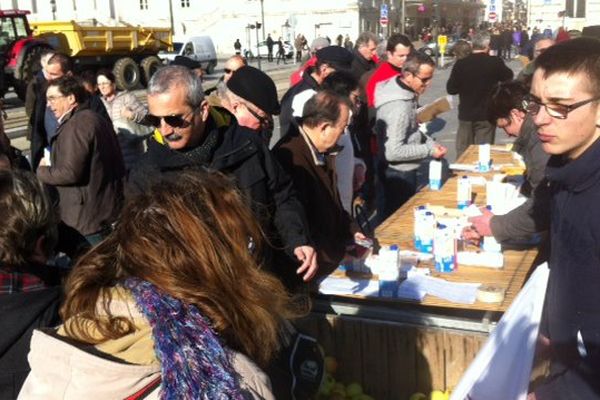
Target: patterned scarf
194	364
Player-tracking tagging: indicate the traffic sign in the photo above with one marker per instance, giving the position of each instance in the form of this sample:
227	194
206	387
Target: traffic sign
383	10
383	21
492	16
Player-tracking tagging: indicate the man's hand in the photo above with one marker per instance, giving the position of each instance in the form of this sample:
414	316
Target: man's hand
470	235
309	266
44	162
439	151
482	223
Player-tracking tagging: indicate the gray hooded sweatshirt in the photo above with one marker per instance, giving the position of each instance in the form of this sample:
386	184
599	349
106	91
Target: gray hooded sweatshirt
400	142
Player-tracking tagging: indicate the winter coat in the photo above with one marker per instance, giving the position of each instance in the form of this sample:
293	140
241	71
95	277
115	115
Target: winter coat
571	310
20	314
401	144
286	116
114	369
330	225
473	78
87	170
519	223
242	154
131	134
384	71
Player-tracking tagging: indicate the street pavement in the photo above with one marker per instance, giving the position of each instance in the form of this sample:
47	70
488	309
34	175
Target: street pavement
446	125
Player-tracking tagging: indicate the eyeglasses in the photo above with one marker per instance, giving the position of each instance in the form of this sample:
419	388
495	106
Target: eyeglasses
100	84
227	70
559	111
174	121
265	122
52	99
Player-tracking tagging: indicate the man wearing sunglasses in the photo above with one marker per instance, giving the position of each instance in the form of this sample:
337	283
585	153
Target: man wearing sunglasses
565	106
472	78
401	145
196	138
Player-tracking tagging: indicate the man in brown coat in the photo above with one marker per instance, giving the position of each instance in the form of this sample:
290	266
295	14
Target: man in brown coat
85	164
307	153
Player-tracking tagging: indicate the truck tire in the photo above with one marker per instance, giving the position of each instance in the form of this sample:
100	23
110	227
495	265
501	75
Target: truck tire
210	68
127	73
31	66
149	66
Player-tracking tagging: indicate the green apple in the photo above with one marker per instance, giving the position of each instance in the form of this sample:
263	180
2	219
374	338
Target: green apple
418	396
353	390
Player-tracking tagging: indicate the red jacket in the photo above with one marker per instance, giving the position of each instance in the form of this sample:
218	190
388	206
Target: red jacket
297	75
384	71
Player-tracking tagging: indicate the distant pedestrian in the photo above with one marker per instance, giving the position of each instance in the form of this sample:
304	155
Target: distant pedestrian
281	56
270	43
472	78
237	46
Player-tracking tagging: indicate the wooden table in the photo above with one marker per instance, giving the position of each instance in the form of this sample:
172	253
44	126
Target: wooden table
396	347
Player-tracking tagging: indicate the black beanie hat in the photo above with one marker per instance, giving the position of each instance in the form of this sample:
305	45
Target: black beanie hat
255	86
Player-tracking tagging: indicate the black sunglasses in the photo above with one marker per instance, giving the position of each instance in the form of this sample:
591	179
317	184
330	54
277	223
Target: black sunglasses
227	70
265	122
174	121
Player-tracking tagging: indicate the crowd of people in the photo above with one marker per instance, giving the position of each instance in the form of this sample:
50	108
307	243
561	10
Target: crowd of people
160	250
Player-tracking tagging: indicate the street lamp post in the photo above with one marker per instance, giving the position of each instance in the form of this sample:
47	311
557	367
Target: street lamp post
262	18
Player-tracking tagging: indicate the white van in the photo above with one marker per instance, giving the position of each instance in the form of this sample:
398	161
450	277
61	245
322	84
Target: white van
198	48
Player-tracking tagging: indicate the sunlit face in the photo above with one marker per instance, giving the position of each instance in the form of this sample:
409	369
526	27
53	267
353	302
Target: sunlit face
187	128
331	133
541	46
231	65
513	123
105	86
398	56
250	116
421	80
53	71
58	103
368	50
574	134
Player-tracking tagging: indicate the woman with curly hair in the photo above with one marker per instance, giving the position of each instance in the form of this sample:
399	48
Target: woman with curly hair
172	303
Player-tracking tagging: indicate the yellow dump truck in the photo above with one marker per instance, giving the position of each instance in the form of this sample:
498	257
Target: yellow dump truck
131	52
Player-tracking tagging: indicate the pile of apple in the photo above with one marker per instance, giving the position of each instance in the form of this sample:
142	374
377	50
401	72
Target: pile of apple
333	390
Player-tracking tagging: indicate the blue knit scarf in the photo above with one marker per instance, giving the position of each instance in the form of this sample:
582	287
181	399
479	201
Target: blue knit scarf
194	364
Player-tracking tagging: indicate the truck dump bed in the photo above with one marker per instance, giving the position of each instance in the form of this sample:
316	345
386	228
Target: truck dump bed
78	40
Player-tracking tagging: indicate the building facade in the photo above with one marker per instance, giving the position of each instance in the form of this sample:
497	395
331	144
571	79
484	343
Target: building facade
226	21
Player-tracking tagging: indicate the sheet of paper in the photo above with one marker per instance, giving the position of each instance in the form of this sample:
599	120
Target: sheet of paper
464	293
363	287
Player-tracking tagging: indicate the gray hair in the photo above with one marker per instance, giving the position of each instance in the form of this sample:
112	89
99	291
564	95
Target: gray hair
173	76
481	41
364	38
227	95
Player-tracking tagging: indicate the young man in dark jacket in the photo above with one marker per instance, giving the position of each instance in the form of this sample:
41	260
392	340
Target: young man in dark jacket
196	138
565	106
29	289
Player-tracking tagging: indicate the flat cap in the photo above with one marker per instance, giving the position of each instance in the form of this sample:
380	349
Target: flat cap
338	57
255	86
186	62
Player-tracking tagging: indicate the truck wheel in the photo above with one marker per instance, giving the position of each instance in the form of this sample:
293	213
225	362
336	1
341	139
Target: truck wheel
127	73
149	66
31	66
210	68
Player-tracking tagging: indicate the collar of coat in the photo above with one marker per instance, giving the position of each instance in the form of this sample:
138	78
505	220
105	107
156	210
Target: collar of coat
576	175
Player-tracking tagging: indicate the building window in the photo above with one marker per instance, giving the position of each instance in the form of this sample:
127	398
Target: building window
575	8
185	3
143	4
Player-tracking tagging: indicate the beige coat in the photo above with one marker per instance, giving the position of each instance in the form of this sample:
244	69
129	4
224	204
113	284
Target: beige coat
115	369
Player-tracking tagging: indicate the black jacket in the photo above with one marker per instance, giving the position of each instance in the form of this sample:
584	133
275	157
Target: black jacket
285	117
472	78
572	306
360	65
241	153
20	314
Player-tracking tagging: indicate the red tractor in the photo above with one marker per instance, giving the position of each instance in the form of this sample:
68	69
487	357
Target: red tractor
19	52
